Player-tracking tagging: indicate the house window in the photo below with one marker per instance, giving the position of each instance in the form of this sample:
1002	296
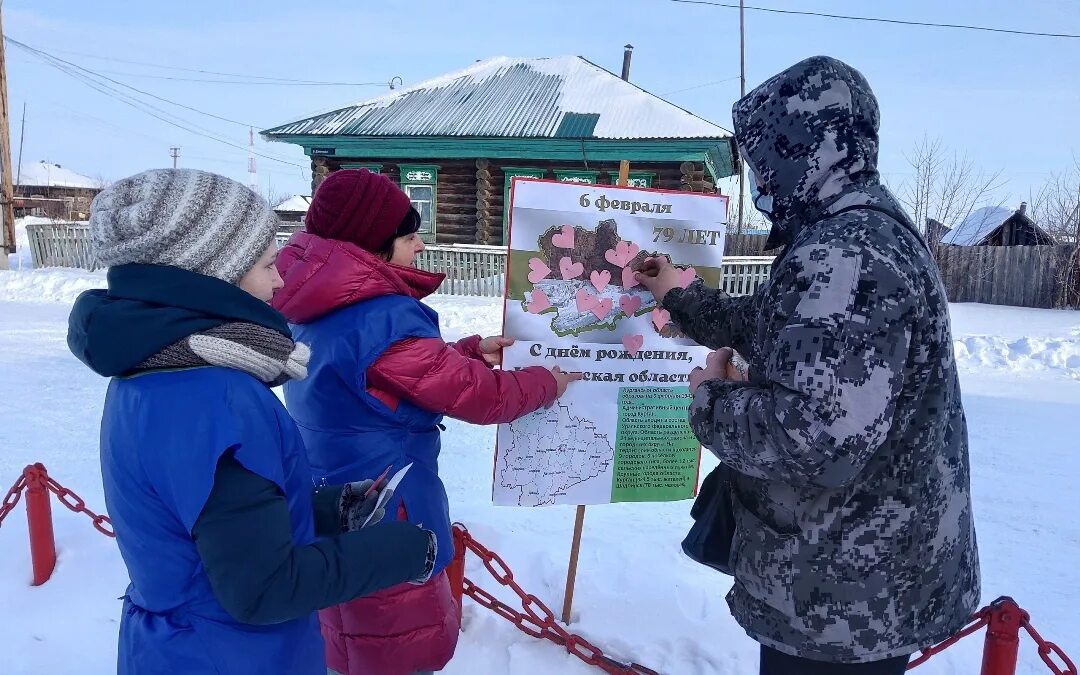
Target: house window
641	179
588	177
510	173
420	182
373	168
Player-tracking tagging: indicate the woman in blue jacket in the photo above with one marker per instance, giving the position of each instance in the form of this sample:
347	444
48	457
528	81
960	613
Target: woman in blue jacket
205	474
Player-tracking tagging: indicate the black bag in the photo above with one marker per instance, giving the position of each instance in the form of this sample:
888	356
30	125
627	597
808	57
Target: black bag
709	540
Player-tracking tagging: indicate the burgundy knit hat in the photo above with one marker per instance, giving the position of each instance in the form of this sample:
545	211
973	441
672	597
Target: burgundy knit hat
357	206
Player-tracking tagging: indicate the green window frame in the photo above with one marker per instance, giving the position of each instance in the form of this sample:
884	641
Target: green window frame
373	168
576	176
509	174
642	179
420	182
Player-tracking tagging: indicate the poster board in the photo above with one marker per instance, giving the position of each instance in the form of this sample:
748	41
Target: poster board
571	300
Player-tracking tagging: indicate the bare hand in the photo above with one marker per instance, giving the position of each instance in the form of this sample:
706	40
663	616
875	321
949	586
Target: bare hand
718	366
659	276
563	380
491	349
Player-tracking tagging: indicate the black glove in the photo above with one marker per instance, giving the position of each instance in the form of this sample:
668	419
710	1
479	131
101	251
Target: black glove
429	565
355	508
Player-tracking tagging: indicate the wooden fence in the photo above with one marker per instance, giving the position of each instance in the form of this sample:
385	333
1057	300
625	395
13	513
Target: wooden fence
469	269
744	244
1021	276
60	244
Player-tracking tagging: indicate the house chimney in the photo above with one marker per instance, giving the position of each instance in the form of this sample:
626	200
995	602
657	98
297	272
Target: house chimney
1023	208
628	51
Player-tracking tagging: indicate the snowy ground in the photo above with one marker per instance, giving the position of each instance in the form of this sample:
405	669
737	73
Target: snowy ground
637	596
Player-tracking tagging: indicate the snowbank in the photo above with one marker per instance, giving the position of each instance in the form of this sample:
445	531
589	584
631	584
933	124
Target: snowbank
47	285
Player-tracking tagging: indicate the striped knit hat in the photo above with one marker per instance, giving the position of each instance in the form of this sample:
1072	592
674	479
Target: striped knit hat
194	220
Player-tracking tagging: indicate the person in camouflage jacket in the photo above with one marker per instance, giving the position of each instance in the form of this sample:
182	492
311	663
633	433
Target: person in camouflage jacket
855	542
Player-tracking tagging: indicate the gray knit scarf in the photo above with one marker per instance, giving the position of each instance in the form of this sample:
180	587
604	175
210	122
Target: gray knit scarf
270	356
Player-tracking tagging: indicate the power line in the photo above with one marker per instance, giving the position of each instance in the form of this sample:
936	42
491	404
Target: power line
282	80
245	82
699	86
78	73
51	57
899	22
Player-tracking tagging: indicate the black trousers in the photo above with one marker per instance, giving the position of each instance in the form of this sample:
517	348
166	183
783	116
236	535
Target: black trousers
778	663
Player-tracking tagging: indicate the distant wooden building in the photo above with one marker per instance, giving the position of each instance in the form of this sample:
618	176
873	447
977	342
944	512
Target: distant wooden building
998	226
454	143
293	209
51	191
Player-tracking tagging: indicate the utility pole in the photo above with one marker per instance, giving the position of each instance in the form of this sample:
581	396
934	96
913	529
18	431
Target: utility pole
253	177
175	154
742	93
7	207
22	137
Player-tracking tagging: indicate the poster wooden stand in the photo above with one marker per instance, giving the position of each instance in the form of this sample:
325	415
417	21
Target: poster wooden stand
579	520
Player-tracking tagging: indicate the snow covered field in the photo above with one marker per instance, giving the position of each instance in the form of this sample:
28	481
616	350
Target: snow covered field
637	596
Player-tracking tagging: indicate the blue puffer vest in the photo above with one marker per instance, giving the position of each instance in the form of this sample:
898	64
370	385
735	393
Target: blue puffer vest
162	435
350	435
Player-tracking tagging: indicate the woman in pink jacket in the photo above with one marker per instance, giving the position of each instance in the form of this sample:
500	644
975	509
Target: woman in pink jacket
379	381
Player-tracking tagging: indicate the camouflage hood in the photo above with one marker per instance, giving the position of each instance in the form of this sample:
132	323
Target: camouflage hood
811	134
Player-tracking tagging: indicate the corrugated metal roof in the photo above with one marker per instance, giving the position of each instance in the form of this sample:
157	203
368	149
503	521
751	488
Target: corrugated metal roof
977	226
560	97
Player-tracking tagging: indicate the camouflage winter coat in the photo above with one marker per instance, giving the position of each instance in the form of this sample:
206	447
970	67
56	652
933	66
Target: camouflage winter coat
854	539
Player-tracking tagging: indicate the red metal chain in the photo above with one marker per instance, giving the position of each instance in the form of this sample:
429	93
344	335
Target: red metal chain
12	498
978	622
538	620
1048	649
102	524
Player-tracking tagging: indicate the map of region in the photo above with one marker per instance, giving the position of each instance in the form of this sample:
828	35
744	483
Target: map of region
551	452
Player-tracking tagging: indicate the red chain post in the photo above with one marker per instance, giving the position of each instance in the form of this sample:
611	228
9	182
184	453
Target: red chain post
39	522
1002	645
455	571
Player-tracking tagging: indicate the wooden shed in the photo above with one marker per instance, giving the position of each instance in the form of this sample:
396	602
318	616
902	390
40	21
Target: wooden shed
997	226
454	143
52	191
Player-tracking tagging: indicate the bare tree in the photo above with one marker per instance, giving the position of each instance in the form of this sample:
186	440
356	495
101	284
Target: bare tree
1056	209
1056	206
276	198
945	186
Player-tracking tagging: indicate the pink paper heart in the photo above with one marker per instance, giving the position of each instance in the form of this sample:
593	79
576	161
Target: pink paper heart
687	276
539	303
564	239
622	254
628	280
629	304
600	280
661	318
585	301
603	308
570	269
633	343
538	270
